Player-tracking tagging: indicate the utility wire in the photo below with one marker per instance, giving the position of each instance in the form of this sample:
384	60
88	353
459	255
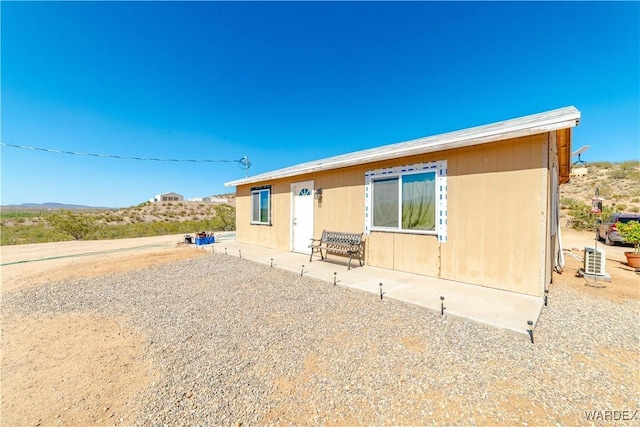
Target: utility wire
244	162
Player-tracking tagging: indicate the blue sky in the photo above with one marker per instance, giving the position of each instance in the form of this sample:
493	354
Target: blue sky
288	82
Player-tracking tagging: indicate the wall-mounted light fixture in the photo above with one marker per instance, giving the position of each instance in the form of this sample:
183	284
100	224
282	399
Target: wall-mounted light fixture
318	194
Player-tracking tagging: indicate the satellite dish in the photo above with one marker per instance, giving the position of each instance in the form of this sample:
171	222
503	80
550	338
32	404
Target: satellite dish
578	153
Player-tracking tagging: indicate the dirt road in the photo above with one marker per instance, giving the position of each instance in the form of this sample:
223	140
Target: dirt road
26	265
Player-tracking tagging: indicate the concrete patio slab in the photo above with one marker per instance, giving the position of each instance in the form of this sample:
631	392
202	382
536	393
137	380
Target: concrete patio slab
500	309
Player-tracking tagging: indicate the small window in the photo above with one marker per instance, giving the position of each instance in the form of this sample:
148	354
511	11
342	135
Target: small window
261	205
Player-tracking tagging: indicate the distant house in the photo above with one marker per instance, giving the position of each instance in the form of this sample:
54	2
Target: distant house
214	199
168	197
478	206
209	199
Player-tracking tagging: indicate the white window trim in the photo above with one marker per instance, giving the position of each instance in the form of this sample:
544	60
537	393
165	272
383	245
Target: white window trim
258	191
440	169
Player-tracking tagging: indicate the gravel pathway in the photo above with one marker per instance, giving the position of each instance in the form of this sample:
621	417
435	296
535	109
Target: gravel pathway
239	343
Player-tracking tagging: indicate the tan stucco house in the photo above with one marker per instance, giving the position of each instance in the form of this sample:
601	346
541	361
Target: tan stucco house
478	205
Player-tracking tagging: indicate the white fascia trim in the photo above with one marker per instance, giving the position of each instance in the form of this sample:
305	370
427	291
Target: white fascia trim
549	121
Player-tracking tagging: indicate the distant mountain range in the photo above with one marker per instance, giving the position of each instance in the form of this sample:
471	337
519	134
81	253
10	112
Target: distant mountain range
51	205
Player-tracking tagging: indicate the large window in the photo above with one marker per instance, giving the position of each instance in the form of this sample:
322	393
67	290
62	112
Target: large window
407	199
261	205
405	202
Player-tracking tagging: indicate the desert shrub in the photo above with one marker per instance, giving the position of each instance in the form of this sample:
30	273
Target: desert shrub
619	173
225	218
630	164
601	165
78	225
19	214
112	224
158	228
634	175
634	209
635	200
621	207
35	233
627	169
583	219
569	202
605	190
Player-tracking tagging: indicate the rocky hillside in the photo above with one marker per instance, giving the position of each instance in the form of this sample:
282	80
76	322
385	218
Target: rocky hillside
143	213
164	211
617	183
38	225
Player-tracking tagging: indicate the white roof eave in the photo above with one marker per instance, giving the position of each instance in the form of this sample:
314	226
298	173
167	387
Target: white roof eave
549	121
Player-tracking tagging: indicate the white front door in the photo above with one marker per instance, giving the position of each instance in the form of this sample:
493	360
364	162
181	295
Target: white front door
302	216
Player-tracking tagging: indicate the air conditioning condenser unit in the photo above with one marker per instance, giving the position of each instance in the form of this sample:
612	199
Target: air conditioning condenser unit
594	261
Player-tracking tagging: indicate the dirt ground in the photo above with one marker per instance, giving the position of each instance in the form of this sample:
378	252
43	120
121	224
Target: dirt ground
74	369
77	369
625	283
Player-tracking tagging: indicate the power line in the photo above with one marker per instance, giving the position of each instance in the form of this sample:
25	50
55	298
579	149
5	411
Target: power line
244	162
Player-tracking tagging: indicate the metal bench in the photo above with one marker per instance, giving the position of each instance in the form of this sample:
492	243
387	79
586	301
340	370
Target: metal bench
339	243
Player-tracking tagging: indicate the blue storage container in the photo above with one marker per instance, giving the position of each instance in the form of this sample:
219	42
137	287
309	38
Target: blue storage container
205	240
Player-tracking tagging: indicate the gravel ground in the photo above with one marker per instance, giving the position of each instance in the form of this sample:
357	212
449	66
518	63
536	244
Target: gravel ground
235	342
